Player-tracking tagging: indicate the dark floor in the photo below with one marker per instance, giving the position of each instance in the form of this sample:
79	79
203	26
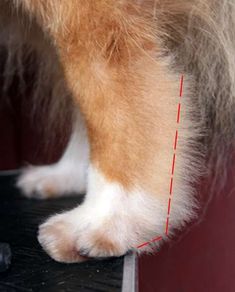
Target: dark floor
32	269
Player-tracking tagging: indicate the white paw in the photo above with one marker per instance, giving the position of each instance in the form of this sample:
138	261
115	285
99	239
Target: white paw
95	230
72	238
110	222
51	181
58	238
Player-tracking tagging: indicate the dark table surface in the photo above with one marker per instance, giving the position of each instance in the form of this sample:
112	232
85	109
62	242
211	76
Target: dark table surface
32	269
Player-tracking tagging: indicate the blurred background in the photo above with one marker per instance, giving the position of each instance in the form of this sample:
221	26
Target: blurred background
22	128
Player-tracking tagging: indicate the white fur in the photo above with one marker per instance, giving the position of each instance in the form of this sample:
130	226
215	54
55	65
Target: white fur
125	218
67	176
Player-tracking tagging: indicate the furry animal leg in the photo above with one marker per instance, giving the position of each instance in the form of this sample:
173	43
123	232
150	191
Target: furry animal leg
128	94
131	128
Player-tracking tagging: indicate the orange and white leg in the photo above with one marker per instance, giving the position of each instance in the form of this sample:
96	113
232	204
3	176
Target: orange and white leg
127	93
131	151
67	176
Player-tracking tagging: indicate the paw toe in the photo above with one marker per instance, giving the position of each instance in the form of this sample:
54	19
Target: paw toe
57	240
99	245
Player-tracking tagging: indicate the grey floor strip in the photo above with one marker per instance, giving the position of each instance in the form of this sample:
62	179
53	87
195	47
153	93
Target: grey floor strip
10	172
130	273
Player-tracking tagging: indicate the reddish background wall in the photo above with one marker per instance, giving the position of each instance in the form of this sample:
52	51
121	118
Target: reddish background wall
203	259
23	138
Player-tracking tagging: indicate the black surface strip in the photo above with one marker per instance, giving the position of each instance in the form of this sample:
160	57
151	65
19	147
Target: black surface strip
32	269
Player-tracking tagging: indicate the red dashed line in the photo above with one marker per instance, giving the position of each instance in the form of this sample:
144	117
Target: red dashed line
169	206
167	225
172	172
176	139
144	244
173	164
181	85
149	242
156	239
178	113
171	185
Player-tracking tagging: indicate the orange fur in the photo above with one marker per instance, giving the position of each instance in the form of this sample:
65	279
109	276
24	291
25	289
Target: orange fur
117	61
128	98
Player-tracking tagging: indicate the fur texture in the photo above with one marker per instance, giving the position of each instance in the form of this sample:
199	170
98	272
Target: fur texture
118	63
